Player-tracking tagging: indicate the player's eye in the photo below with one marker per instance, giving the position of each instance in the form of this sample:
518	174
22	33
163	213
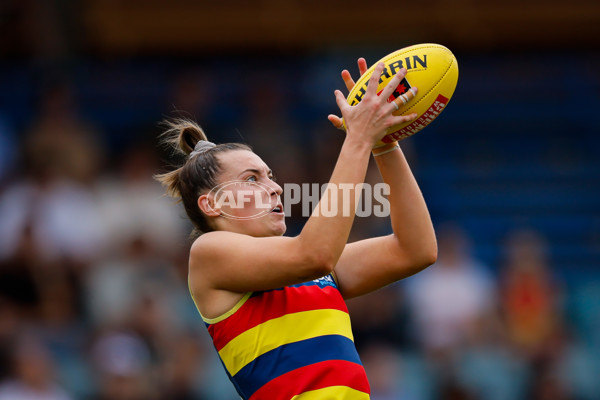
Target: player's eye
252	178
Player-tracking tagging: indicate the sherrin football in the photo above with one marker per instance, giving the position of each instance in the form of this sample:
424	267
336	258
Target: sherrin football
432	68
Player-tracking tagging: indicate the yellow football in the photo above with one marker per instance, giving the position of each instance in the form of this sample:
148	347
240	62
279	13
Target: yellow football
432	68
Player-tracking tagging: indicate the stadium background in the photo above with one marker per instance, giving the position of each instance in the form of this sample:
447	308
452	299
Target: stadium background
93	297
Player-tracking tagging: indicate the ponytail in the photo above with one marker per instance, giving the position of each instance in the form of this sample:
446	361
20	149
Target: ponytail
199	172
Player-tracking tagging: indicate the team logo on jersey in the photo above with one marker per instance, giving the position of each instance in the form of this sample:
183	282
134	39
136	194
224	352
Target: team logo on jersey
326	280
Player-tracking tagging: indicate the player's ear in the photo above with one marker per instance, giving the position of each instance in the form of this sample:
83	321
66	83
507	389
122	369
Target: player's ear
207	206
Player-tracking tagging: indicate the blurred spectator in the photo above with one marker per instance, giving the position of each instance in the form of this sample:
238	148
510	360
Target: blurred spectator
574	367
123	363
531	298
451	390
533	307
32	374
62	217
132	205
383	367
487	365
136	280
46	296
448	298
55	199
379	316
8	150
62	328
19	280
61	141
581	362
181	368
10	323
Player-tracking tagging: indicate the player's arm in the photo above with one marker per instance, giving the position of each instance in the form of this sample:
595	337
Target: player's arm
240	263
370	264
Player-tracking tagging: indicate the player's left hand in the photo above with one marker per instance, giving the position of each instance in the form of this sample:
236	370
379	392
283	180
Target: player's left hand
338	122
349	82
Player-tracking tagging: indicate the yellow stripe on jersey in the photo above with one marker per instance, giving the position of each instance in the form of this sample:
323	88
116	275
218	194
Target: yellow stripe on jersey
226	314
276	332
333	393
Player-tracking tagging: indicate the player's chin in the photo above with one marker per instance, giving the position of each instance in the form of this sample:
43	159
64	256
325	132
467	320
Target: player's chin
278	227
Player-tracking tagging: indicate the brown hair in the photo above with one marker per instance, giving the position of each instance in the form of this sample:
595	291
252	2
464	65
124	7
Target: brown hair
198	173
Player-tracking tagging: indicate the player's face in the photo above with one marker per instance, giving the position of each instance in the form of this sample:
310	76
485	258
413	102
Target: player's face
247	196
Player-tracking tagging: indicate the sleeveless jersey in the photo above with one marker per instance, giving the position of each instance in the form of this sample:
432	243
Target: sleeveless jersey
291	343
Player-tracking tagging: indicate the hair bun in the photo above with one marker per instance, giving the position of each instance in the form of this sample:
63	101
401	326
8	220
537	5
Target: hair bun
183	135
201	147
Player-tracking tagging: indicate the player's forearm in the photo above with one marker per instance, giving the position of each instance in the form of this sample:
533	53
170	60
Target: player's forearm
328	228
409	215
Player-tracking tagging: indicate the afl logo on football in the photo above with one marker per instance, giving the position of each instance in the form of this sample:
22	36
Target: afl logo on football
402	88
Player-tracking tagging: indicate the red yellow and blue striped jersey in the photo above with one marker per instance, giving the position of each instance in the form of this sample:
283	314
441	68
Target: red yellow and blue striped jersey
294	343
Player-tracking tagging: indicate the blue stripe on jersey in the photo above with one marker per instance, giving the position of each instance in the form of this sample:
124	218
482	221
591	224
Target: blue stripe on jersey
288	357
321	282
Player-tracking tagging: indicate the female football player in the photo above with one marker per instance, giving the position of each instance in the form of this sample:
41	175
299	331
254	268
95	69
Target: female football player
274	305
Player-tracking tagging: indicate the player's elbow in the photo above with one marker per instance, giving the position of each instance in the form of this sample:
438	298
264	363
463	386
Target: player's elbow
429	252
318	263
420	257
427	255
318	260
430	257
322	263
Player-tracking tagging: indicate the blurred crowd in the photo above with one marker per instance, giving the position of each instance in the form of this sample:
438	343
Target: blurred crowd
93	292
459	331
94	301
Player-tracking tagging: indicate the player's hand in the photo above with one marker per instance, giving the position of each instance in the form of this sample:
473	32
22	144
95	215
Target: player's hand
347	78
370	119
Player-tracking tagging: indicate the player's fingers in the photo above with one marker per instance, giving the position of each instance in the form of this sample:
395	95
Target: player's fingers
406	97
404	118
348	79
340	100
362	66
336	121
374	80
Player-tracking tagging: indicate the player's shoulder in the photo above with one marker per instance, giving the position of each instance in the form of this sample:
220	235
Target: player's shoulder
211	242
